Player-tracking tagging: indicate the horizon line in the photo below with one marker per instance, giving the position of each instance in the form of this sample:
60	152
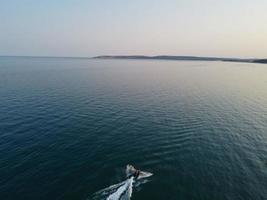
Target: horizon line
125	55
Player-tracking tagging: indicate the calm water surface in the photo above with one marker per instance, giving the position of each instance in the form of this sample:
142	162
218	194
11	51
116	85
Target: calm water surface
68	128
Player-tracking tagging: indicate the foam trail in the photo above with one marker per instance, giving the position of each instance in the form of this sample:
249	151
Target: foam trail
123	192
120	191
110	189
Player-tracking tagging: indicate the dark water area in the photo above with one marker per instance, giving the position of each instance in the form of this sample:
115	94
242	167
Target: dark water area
69	127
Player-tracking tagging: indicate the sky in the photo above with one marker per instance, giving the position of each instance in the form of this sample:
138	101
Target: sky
228	28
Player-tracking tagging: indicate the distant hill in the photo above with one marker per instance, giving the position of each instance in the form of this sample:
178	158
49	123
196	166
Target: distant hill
158	57
189	58
260	61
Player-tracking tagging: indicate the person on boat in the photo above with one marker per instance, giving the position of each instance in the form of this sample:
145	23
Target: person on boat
132	172
136	174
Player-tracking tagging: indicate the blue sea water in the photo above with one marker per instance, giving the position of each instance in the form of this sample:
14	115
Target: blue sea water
69	127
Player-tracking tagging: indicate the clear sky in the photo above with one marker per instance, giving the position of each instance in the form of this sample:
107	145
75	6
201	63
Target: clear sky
233	28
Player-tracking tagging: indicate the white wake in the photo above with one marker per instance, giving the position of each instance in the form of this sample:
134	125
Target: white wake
123	190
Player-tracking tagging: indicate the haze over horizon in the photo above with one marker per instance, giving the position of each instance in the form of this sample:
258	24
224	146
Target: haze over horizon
227	28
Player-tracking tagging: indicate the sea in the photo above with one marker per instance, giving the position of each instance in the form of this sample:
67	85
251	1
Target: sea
70	126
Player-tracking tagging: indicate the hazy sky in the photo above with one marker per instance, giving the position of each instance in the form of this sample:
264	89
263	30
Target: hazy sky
235	28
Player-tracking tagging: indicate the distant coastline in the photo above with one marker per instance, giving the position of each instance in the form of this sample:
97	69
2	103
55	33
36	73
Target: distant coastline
183	58
142	57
